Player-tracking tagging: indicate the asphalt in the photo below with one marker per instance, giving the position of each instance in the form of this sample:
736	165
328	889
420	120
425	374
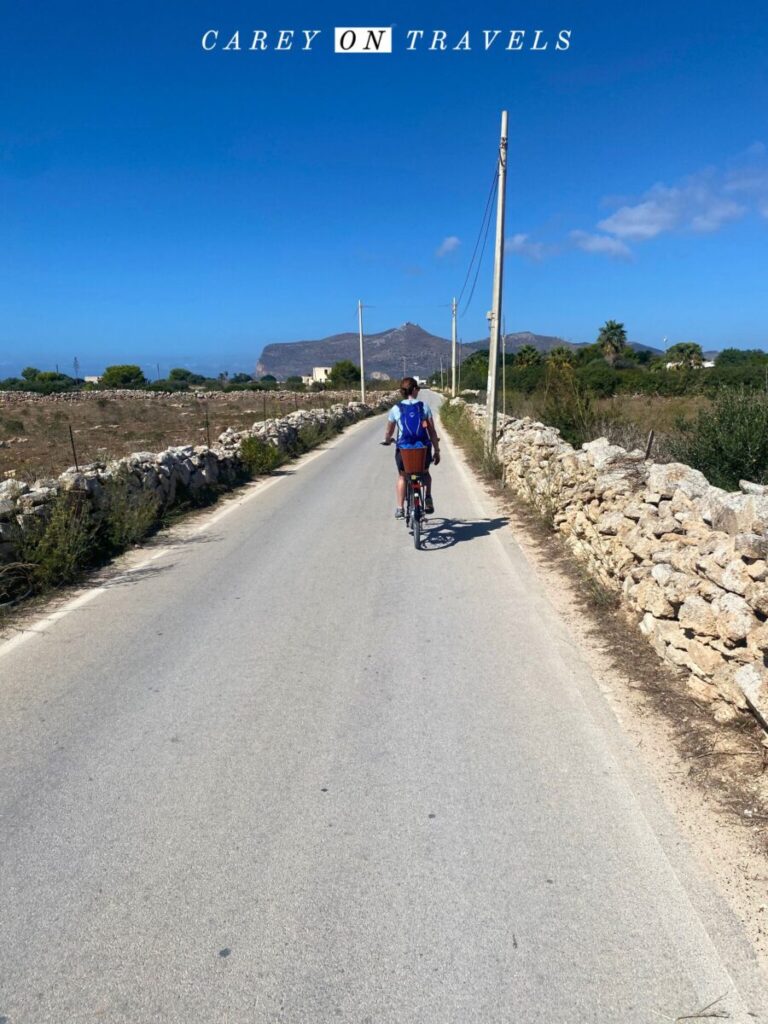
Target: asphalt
290	769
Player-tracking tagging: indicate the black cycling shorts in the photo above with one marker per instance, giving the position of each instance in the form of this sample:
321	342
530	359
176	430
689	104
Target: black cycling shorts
399	460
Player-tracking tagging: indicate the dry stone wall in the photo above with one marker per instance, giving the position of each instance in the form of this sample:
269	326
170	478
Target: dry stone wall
689	558
164	475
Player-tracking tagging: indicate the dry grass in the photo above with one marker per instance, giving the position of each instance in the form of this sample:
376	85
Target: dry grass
106	427
626	420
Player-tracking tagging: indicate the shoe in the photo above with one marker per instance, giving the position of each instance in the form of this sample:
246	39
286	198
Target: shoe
429	506
399	514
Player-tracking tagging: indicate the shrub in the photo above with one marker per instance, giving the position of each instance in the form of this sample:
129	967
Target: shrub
568	406
599	378
260	456
728	442
312	435
462	428
58	545
128	512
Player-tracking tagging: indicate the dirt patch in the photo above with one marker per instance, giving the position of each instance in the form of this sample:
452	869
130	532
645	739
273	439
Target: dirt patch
35	430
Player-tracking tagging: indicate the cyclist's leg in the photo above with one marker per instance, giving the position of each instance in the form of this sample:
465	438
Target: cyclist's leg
428	503
400	490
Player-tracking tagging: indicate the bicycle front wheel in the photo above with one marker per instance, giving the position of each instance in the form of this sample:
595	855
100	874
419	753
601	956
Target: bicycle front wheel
417	528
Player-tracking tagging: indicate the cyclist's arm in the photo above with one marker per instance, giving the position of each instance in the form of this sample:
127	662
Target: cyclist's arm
430	425
389	431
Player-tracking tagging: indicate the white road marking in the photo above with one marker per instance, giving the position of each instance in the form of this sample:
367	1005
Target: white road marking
39	627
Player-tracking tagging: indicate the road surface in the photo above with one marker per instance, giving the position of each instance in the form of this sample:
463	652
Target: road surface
292	770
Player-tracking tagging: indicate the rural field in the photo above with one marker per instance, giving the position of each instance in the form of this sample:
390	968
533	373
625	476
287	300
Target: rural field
35	430
626	420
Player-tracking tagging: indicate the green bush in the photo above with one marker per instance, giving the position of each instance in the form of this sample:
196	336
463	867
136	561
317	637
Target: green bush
463	430
128	512
312	435
58	545
568	405
728	442
259	456
599	378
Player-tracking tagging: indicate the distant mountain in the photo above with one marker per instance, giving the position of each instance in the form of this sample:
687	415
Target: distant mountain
541	342
545	343
408	346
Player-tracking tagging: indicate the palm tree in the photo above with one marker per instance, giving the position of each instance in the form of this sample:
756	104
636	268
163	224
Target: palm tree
561	355
686	355
527	356
612	340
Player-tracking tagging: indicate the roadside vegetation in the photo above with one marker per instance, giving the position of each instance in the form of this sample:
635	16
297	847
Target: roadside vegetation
714	418
77	534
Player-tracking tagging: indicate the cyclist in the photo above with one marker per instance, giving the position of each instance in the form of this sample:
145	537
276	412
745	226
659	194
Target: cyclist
421	433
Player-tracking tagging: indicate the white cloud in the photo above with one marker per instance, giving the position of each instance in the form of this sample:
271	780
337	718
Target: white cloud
646	219
523	245
747	177
701	203
604	244
448	245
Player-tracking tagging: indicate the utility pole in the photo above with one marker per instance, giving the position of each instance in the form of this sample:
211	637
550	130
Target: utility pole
76	365
442	383
504	366
498	274
453	348
362	364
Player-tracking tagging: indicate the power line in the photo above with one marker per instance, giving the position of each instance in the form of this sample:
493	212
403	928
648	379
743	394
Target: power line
479	263
484	224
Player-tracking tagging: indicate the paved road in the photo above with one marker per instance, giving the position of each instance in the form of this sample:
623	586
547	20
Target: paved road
292	770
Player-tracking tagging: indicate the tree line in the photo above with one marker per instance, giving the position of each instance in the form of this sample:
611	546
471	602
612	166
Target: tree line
343	374
611	366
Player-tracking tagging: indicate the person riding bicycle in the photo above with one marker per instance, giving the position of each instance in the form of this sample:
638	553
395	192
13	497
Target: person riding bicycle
412	419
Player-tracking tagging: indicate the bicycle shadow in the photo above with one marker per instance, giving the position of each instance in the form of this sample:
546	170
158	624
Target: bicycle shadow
445	533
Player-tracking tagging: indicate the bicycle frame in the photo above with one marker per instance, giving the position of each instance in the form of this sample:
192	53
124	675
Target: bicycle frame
414	504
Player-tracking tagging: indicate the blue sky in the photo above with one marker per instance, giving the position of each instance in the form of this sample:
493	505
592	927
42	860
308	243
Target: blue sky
163	204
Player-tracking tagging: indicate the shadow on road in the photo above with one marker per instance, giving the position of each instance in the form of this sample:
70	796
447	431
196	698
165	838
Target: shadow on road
444	533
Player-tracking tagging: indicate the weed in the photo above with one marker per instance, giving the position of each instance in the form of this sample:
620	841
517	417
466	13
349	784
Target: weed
59	544
128	512
568	405
260	456
728	442
463	430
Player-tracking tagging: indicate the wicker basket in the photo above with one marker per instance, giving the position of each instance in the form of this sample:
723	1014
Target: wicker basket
414	459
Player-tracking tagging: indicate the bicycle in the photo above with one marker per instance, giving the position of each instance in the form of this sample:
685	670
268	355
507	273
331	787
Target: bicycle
414	470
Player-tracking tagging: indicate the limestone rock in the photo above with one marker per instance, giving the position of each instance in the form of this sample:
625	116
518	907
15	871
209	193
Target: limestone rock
698	615
735	619
650	597
666	479
753	682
